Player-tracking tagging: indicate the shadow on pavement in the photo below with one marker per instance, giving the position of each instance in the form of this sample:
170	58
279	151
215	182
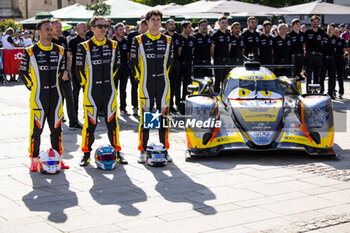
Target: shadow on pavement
115	188
171	186
48	196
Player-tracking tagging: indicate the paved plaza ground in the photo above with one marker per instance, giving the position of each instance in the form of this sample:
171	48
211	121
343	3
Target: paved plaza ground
233	192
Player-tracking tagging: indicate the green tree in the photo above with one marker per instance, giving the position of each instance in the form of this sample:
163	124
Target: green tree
10	23
99	8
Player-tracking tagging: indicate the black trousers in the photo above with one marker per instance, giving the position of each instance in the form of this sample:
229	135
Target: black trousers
220	74
134	92
339	66
328	65
298	64
201	72
186	71
175	84
313	66
121	81
66	88
76	90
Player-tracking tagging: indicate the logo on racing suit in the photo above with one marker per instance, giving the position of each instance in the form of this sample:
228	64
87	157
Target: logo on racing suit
151	120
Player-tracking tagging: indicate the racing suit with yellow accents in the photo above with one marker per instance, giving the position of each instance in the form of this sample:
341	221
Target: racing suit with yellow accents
97	63
150	60
41	69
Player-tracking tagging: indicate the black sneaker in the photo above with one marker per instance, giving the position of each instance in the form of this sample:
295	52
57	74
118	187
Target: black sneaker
77	125
85	160
120	158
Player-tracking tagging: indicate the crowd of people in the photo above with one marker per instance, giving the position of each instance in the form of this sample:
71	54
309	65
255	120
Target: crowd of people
102	59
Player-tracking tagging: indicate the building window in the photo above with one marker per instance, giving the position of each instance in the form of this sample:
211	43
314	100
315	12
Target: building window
47	2
71	2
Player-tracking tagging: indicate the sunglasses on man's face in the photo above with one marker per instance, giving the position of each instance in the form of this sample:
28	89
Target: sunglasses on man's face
100	26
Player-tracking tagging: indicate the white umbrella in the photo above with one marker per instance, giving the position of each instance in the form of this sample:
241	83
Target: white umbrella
222	7
317	7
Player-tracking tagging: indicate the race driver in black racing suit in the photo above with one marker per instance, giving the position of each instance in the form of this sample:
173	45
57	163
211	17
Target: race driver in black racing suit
151	58
42	68
97	63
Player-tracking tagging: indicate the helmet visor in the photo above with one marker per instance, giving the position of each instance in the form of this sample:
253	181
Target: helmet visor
50	163
107	157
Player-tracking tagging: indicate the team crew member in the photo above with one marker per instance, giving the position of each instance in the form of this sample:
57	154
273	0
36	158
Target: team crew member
66	86
174	74
220	51
328	51
123	71
313	41
297	38
201	54
340	53
134	83
72	47
97	63
251	38
266	44
186	56
151	59
42	67
281	49
237	44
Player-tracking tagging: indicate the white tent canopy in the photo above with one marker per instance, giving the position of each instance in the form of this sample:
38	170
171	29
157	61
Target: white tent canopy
317	7
221	7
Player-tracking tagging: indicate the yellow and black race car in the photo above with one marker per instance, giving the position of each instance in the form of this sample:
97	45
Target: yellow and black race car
257	111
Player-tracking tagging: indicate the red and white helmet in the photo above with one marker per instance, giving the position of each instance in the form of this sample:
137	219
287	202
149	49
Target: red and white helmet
49	161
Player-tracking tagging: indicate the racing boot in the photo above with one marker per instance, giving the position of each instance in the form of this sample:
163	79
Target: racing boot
34	164
142	158
120	158
85	160
64	165
168	158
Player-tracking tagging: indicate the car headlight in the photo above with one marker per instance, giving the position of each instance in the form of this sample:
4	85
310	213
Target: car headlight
317	117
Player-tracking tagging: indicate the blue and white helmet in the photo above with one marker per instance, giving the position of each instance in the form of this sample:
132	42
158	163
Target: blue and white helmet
106	157
156	155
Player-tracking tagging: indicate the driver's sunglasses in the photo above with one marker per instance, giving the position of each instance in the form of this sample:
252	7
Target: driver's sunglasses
100	26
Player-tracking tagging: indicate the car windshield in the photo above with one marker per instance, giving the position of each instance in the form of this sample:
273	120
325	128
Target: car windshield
253	89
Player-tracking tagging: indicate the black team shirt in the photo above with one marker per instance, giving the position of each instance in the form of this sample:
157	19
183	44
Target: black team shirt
73	47
202	50
297	40
341	44
123	47
251	43
221	41
329	45
177	42
281	48
237	45
314	40
187	46
265	47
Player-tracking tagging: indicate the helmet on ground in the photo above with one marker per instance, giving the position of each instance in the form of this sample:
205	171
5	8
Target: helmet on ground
49	161
106	157
156	155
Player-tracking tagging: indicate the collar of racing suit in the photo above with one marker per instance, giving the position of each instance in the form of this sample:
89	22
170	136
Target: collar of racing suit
45	48
152	37
98	43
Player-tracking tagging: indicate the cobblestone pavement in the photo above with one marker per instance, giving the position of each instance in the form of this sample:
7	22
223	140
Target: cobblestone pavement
233	192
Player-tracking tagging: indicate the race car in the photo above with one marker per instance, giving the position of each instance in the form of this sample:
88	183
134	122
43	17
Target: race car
257	111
